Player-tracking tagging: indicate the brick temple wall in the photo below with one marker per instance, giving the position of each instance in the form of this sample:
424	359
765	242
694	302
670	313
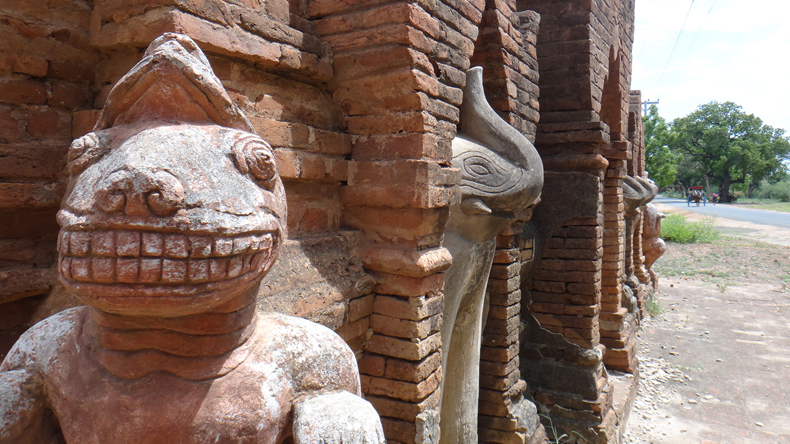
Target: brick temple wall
576	326
359	101
46	78
506	50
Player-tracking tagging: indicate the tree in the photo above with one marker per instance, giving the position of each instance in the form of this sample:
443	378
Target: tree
660	161
730	146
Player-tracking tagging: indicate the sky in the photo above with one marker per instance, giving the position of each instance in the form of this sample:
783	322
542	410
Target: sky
728	50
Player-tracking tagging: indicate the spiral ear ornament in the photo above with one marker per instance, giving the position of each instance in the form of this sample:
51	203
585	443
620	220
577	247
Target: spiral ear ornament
255	157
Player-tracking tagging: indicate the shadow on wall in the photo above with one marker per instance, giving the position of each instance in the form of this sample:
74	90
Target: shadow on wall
315	278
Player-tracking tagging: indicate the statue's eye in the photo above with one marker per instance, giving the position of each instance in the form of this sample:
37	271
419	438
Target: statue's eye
254	156
480	169
84	151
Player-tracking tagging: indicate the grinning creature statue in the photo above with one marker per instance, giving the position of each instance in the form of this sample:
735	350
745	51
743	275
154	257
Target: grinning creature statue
173	215
652	244
501	174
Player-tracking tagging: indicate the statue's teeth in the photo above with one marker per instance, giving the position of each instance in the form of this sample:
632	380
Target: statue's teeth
245	263
223	246
173	271
150	270
200	246
103	243
80	269
218	269
63	241
128	270
235	266
153	244
103	269
65	267
80	243
198	270
127	243
132	257
241	244
176	245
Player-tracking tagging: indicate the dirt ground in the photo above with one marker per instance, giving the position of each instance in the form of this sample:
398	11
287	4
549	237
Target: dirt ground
715	363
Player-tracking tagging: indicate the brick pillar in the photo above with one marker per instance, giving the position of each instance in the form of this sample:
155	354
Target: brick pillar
505	416
618	325
505	49
399	69
46	81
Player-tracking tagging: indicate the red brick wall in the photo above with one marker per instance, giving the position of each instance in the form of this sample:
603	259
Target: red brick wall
46	77
399	70
584	58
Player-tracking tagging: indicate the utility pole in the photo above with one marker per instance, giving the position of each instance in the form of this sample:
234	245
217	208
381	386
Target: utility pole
646	104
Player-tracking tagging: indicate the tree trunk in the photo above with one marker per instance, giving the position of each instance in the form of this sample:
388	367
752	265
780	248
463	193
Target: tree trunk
707	187
724	189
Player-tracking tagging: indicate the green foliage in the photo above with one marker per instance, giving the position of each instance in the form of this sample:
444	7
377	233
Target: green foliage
660	161
676	228
652	305
729	146
553	438
779	190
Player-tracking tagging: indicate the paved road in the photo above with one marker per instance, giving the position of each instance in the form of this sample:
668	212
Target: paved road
763	217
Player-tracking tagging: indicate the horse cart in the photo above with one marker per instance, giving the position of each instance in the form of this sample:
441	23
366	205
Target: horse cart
696	195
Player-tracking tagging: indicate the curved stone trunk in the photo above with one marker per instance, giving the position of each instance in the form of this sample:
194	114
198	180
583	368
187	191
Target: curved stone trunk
637	192
501	174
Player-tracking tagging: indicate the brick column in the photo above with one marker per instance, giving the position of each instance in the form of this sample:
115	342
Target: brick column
399	69
46	81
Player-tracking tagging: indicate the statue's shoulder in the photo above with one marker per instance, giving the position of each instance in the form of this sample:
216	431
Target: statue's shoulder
41	345
318	358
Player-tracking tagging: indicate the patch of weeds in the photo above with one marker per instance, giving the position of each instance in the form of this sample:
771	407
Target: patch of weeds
691	368
653	305
676	228
562	439
722	286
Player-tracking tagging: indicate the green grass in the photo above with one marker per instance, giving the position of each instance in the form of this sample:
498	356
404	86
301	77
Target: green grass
652	305
553	438
765	204
778	206
676	228
728	262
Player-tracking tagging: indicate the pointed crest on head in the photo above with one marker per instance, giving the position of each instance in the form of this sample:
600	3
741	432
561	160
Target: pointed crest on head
173	82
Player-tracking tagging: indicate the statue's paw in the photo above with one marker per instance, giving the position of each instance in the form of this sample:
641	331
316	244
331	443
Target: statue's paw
336	418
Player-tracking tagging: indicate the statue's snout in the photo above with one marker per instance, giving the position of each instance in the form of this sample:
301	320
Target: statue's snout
140	192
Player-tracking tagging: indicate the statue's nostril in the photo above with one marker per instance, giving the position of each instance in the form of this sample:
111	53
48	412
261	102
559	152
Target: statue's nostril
111	201
141	192
163	205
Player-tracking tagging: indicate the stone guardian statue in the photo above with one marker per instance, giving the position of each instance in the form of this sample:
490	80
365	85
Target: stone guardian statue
173	214
501	174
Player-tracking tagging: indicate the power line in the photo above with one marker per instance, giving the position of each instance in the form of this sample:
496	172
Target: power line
696	34
676	44
642	41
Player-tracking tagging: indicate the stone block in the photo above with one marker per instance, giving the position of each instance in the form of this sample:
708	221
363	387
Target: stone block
411	308
412	371
406	391
412	263
402	348
402	328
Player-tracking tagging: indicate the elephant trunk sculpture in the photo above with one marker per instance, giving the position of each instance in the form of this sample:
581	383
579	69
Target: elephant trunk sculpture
501	174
